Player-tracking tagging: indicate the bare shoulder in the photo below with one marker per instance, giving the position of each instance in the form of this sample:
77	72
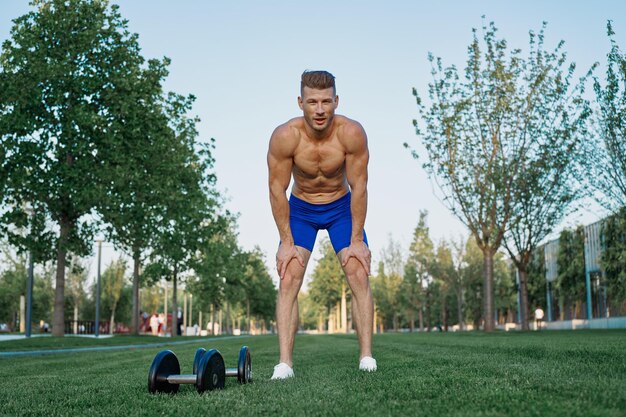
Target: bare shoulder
351	134
285	138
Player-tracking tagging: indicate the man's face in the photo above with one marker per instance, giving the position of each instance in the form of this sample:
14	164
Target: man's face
318	107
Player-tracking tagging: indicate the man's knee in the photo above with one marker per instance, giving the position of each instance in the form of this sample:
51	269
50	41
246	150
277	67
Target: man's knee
357	278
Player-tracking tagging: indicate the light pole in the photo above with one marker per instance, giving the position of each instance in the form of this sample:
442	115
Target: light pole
98	289
29	285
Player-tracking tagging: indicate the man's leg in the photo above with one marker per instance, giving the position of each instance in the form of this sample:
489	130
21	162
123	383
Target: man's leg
362	304
287	306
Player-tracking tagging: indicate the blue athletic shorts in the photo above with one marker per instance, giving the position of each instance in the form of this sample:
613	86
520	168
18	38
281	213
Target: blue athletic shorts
306	219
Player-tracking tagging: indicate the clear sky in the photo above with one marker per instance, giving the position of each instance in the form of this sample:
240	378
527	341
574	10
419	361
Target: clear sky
243	60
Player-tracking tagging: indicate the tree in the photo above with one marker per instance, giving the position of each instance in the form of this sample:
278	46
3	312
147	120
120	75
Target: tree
327	286
614	260
605	159
68	65
113	282
484	134
472	273
216	266
571	267
536	280
76	288
391	280
545	185
138	169
458	248
444	275
260	293
190	214
417	271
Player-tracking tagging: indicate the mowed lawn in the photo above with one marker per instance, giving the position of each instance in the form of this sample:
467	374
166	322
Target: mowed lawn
559	373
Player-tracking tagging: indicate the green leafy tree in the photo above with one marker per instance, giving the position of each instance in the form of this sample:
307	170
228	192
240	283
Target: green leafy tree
190	214
217	264
614	260
485	133
137	170
67	68
391	278
311	314
327	280
571	267
444	276
260	292
113	283
552	141
416	271
605	160
472	272
536	280
76	298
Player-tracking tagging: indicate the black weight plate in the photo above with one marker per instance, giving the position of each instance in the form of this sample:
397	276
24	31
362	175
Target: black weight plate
196	359
211	372
164	364
244	366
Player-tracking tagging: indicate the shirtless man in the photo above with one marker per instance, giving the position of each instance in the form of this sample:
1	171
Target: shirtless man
327	155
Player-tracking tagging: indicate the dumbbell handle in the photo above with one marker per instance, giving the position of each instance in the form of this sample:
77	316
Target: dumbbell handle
182	379
191	378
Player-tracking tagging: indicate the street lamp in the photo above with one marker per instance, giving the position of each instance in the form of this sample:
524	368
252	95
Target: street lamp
29	285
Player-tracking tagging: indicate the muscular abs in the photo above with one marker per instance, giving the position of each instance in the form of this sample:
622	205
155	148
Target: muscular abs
319	168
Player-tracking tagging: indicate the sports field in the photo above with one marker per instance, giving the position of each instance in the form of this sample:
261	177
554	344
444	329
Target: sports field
579	373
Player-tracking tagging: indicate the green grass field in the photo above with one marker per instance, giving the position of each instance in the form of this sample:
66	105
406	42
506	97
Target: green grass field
579	373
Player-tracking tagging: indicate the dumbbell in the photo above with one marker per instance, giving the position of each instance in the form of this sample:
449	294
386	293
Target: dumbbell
164	374
243	371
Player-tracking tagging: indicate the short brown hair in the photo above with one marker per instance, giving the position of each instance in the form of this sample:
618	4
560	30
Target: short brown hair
320	80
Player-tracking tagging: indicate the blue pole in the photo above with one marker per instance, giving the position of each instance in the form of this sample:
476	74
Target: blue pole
98	291
549	300
588	285
519	297
29	295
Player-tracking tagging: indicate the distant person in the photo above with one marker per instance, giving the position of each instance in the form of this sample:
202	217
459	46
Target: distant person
538	317
154	324
327	156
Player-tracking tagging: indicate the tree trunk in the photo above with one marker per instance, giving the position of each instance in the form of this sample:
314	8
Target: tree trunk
58	324
428	326
174	327
344	310
444	314
412	320
228	323
459	306
112	321
248	327
421	318
488	289
523	287
75	326
135	320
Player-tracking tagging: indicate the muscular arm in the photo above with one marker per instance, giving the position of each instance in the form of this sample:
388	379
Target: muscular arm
357	158
280	163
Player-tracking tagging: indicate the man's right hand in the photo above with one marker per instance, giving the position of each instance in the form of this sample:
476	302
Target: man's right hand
287	252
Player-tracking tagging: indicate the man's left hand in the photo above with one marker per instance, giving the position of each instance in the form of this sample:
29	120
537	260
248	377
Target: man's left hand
361	252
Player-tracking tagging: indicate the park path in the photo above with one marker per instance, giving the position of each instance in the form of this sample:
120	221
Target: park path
12	354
